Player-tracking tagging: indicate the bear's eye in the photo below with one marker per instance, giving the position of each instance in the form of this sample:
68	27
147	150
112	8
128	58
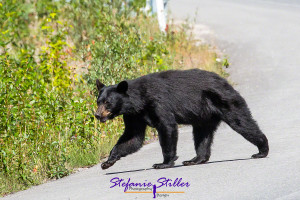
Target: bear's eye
105	102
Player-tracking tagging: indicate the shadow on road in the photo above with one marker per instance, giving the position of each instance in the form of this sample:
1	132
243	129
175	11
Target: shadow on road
176	166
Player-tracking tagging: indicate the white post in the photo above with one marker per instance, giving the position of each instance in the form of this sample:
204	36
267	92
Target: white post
148	6
161	15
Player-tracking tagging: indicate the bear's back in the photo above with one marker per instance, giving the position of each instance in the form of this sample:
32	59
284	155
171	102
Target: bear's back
182	93
179	86
180	80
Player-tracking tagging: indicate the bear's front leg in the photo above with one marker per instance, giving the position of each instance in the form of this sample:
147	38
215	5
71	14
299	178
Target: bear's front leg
130	142
168	136
113	157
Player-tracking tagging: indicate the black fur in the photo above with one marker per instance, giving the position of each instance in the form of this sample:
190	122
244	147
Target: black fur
163	100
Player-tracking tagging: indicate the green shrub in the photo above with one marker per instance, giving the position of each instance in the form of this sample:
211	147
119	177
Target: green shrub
47	125
51	53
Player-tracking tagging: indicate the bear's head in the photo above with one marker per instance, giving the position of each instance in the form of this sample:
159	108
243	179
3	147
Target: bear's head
110	100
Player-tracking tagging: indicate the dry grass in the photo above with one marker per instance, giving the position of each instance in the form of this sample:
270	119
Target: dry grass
191	51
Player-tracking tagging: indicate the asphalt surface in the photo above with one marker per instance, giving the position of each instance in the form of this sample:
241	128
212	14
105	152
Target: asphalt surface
262	39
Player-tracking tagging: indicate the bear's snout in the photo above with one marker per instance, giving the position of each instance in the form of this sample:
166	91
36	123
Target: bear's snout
101	118
102	114
97	116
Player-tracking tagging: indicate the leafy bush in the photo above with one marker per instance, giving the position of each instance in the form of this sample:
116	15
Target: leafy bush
46	104
51	53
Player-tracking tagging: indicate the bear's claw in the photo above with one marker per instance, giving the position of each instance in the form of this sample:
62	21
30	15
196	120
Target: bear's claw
259	155
163	166
194	162
107	164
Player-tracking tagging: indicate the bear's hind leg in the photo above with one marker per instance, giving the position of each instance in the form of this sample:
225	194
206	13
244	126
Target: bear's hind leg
242	122
203	138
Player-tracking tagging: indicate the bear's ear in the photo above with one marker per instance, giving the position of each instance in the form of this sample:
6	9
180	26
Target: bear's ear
99	85
122	87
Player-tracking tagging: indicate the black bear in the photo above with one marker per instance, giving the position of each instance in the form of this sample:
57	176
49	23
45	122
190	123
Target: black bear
162	100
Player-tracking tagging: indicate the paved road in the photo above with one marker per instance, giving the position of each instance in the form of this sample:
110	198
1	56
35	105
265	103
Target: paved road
262	39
